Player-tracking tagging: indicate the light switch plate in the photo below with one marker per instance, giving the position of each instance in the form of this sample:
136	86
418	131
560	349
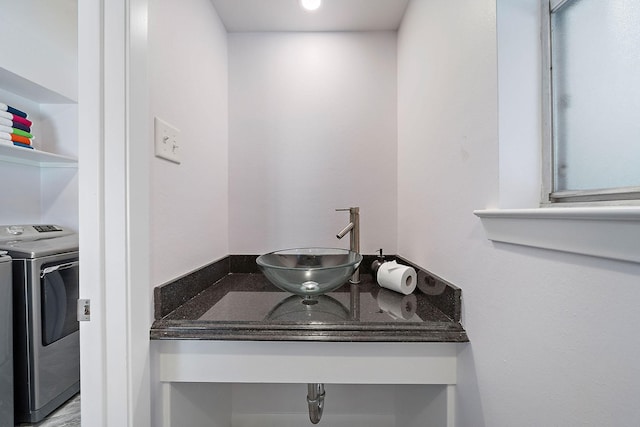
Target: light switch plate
167	141
84	310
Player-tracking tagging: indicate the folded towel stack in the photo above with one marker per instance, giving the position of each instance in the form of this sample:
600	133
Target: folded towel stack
15	128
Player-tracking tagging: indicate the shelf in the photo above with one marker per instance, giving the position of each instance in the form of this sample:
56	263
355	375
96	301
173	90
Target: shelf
26	88
13	84
25	156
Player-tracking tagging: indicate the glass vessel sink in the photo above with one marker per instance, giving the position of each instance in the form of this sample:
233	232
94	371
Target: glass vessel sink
309	272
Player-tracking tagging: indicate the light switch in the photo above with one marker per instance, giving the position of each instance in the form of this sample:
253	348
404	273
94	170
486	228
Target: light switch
84	310
167	141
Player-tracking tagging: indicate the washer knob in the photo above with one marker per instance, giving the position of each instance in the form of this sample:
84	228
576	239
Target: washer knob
16	230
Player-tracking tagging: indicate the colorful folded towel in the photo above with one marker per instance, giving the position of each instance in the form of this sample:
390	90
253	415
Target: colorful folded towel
15	138
20	132
20	139
22	120
10	109
14	118
13	124
17	125
17	144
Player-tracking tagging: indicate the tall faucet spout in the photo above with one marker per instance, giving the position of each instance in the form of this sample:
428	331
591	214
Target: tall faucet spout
345	230
354	242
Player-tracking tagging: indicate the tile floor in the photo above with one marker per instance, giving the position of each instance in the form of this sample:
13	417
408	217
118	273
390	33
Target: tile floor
68	415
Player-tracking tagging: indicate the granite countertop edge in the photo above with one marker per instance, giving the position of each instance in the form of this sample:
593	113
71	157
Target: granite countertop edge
230	333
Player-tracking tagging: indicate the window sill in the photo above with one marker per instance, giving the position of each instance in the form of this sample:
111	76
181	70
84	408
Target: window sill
606	232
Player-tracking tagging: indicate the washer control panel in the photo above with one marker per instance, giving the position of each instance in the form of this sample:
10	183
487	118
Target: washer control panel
32	232
46	228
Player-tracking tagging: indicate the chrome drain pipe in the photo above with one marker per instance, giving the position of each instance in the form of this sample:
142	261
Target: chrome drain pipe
315	399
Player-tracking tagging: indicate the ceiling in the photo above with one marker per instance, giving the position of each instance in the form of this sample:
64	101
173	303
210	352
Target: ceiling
333	15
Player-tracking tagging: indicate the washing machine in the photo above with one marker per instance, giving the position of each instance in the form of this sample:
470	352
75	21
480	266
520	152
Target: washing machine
46	343
6	342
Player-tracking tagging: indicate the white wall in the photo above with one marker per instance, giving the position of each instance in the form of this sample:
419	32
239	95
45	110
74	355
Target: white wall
284	405
188	89
520	113
43	47
446	128
312	127
58	133
553	335
20	193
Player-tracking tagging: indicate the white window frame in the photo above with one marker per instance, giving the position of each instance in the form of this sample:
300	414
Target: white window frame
609	232
549	197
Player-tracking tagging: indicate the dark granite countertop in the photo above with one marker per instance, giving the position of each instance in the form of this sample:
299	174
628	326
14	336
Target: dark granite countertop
245	306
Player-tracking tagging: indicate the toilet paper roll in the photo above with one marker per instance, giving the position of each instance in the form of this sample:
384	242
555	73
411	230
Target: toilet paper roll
396	305
396	277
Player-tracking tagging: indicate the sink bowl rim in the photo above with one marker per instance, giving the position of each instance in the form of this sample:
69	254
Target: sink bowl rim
292	251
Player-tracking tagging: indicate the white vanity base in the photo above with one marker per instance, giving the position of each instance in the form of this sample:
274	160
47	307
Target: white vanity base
248	383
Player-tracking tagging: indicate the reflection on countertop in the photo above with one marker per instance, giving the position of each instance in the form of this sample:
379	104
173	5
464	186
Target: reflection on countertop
245	306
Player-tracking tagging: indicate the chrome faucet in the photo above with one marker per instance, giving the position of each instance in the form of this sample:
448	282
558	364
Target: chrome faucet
354	241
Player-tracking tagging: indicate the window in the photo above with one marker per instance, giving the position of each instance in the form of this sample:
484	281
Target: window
592	108
609	232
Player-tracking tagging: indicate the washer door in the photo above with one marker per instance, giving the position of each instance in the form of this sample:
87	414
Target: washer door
59	295
46	338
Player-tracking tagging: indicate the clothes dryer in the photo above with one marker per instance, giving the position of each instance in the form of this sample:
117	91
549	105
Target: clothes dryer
46	343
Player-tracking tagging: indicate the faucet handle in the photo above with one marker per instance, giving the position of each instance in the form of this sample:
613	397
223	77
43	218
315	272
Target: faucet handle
343	209
351	209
